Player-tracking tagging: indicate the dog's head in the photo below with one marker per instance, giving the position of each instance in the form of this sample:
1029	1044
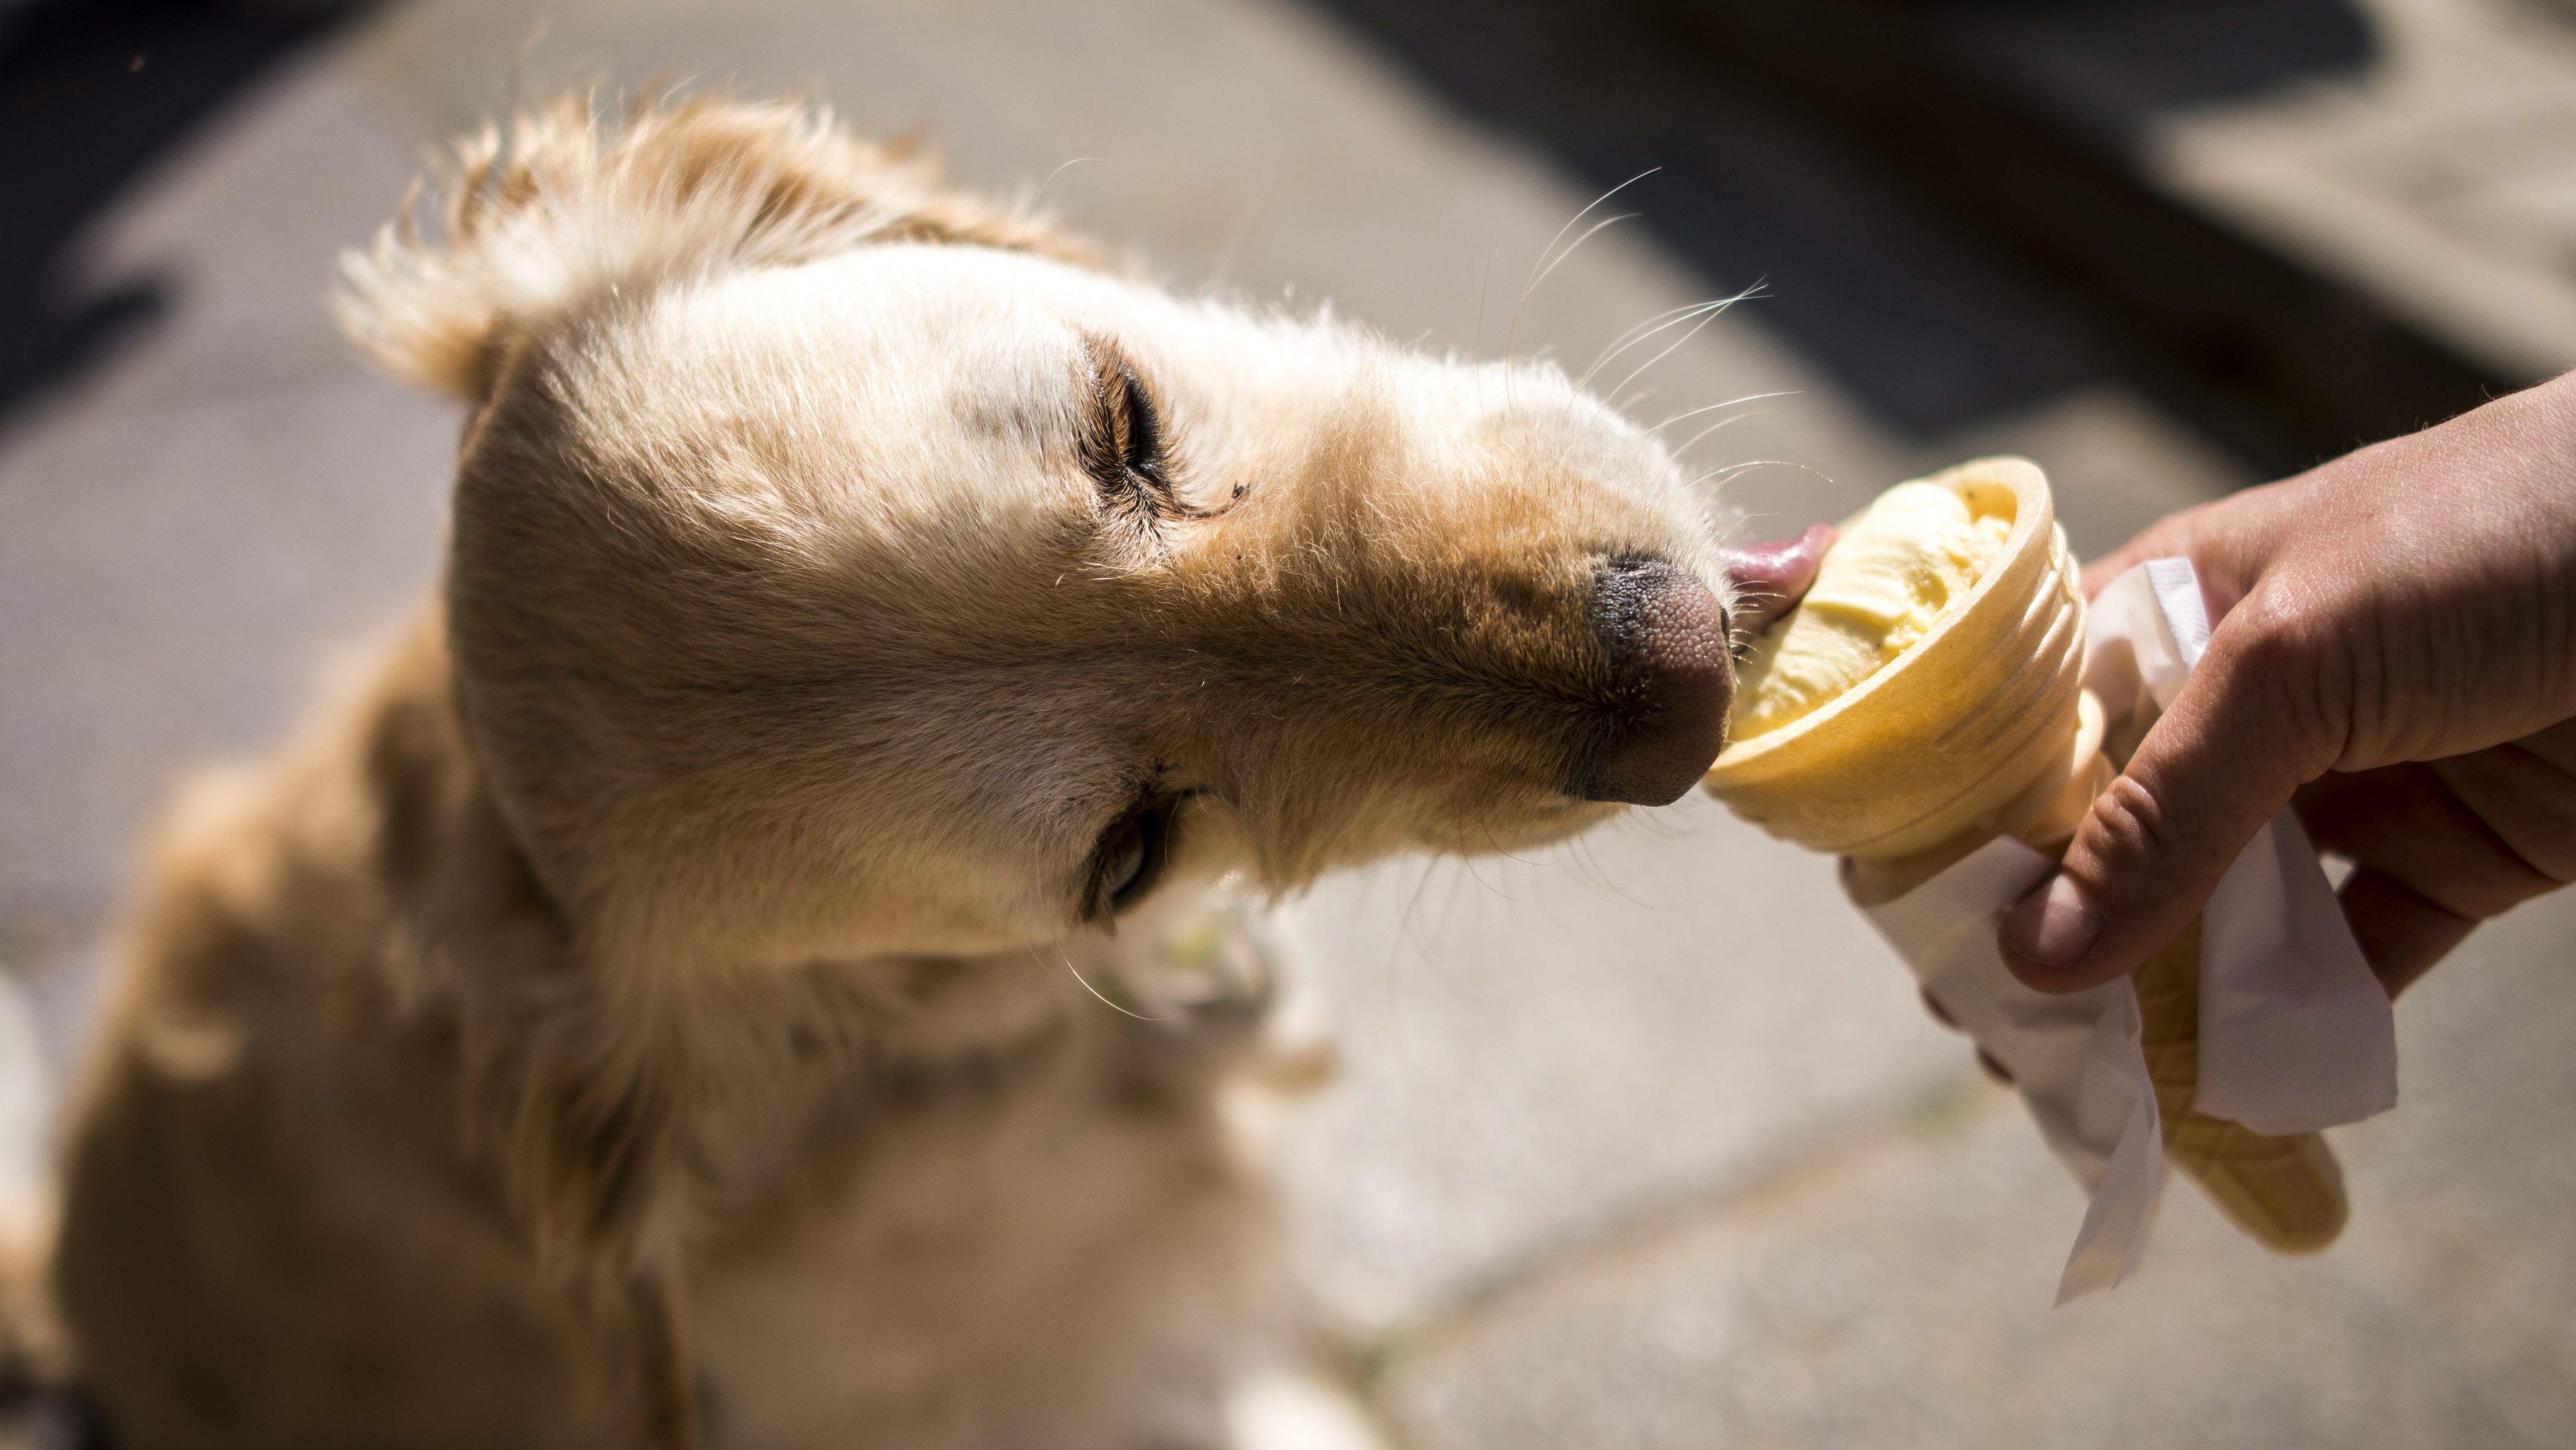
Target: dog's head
843	567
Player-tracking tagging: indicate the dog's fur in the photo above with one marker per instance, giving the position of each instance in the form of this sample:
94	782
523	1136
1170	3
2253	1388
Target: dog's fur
646	1009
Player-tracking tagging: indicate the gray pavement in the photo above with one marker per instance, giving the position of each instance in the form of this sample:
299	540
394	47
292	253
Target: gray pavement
1895	1291
2441	179
1641	1141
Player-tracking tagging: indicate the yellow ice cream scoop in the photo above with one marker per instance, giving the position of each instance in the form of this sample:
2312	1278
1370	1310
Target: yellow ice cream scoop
1926	697
1933	685
1889	576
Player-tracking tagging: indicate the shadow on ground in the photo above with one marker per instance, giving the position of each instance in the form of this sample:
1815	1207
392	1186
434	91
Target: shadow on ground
1944	202
91	95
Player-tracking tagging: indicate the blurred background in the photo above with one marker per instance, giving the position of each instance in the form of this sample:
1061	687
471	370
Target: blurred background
1646	1142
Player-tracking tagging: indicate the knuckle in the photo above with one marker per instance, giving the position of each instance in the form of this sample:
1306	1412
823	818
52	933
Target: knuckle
2133	812
2280	628
2129	824
2290	655
2142	849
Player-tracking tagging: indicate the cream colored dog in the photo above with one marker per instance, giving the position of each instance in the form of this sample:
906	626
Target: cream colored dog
645	1014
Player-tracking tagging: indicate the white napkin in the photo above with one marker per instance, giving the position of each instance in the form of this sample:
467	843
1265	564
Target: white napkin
2295	1032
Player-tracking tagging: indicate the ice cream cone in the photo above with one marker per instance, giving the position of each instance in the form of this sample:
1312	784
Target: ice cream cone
1962	724
1981	727
2286	1193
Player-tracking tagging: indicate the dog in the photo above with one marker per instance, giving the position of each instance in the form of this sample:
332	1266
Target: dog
769	957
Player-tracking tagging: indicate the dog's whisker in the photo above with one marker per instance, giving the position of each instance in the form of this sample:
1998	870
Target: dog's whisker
1571	248
1584	867
1730	470
1707	317
1695	438
1539	267
1735	469
1536	274
1738	525
1802	467
1713	407
1464	874
1582	845
1040	195
1646	330
1617	344
1686	413
1496	846
1067	959
1405	916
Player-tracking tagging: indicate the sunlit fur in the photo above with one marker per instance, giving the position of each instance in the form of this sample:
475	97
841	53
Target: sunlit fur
647	1006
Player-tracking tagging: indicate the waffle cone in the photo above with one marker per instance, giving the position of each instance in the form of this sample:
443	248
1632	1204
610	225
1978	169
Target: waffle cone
1943	737
1983	728
2286	1193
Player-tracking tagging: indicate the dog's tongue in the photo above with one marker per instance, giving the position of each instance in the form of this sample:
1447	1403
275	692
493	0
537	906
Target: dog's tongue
1771	577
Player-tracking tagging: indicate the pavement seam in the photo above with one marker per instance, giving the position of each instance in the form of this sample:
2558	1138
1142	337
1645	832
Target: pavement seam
1939	1110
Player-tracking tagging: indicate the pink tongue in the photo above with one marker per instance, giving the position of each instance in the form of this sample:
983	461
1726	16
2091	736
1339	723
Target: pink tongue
1770	577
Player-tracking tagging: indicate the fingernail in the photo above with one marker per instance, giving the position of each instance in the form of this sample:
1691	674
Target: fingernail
2055	927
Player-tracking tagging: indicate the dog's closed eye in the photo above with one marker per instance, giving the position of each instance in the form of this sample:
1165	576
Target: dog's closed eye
1137	433
1125	446
1122	443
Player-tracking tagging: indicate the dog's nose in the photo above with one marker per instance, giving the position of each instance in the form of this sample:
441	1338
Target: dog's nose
1667	639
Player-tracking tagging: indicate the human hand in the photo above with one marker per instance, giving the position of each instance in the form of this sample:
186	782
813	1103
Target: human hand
2396	652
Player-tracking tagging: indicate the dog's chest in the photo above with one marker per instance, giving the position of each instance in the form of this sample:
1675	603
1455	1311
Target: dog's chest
1020	1241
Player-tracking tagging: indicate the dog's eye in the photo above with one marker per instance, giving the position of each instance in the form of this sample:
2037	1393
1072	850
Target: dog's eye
1124	444
1123	451
1131	855
1140	430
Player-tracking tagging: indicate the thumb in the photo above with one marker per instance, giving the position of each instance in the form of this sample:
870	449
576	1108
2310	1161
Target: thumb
2227	756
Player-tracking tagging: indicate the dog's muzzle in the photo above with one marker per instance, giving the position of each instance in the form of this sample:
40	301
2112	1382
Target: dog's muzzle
1674	677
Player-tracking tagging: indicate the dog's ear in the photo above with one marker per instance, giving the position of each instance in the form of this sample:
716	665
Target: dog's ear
562	206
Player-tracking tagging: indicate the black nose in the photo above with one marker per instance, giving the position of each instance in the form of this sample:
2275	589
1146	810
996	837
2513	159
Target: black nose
1673	678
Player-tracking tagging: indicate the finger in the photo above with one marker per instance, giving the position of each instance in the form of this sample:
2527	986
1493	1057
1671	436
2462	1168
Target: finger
2526	801
1770	578
2000	1074
2402	934
2406	822
2212	771
1939	1013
